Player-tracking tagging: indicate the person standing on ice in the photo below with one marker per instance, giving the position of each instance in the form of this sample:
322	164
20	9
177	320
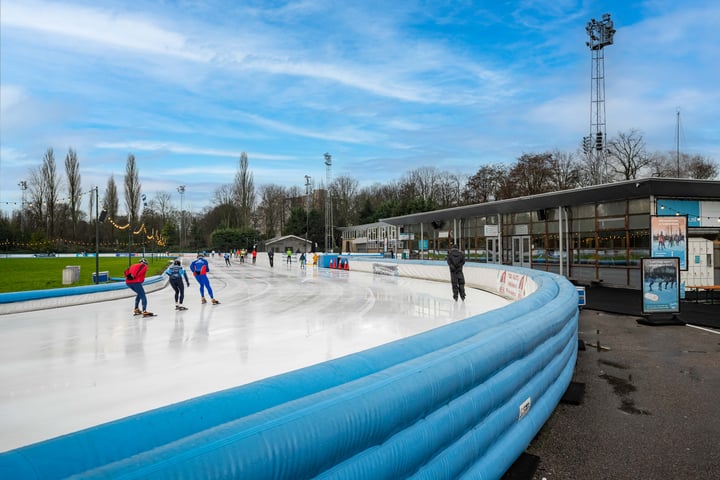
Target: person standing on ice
200	268
456	260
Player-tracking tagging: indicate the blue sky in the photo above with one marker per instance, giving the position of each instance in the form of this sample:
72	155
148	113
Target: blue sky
385	87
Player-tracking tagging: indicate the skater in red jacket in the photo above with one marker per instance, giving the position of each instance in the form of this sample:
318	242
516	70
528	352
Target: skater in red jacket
134	278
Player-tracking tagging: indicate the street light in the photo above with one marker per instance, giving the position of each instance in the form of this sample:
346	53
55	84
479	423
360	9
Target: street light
181	190
307	208
23	186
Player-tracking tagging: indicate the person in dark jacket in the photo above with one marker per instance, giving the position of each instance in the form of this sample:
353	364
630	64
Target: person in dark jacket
456	260
134	278
176	273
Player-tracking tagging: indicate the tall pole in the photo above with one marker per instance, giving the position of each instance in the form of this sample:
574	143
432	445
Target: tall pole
329	242
307	208
601	35
181	190
23	187
97	237
677	143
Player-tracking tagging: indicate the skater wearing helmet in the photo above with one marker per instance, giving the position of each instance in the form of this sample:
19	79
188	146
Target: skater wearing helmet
176	273
200	268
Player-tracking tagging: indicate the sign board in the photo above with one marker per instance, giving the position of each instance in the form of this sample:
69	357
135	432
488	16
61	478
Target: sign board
491	230
668	238
660	285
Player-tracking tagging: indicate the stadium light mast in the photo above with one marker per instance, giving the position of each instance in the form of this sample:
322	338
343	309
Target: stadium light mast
181	191
601	35
307	208
328	205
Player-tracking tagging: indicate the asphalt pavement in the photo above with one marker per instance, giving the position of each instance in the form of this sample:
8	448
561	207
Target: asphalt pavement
650	404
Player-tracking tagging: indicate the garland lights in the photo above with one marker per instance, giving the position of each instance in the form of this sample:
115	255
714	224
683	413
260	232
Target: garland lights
678	213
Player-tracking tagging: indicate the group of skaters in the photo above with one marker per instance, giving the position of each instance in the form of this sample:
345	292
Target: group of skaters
135	276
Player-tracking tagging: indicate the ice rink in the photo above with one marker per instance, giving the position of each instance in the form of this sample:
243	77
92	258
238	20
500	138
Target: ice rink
65	369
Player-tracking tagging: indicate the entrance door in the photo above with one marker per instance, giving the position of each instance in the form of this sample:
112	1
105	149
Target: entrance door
493	250
521	251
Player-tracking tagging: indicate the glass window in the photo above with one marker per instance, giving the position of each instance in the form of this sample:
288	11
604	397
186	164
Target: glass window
612	208
611	223
583	211
639	243
584	248
585	225
639	205
637	222
612	247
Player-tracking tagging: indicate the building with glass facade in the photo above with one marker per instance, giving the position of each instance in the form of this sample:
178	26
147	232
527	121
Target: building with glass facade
592	234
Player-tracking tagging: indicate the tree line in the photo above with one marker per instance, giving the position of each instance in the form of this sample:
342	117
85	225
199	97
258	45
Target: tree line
52	216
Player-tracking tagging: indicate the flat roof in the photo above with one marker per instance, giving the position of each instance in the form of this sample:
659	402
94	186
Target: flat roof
625	190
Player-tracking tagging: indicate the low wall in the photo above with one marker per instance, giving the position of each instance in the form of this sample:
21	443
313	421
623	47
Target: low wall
17	302
460	401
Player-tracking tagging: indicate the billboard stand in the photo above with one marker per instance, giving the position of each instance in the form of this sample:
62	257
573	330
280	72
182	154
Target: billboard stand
660	291
660	319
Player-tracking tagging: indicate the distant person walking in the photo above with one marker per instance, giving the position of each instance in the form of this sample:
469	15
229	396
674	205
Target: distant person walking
289	256
177	273
254	255
271	254
200	268
134	278
456	260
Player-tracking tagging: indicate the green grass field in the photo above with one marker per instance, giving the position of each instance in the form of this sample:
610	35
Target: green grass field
22	274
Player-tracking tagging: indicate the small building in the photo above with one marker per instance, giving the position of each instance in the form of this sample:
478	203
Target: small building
282	244
378	237
591	234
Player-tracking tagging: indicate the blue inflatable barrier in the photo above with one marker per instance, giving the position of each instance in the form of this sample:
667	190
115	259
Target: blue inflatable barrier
460	401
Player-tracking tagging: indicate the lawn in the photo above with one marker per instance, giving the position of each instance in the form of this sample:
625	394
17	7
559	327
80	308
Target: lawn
21	274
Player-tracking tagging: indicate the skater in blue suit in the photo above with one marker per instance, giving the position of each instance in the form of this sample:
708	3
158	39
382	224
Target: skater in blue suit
200	268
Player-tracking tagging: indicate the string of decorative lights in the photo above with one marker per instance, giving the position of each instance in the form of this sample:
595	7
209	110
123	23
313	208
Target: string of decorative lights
678	213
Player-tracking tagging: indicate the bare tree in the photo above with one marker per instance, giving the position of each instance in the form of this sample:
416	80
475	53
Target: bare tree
162	205
111	203
627	155
244	191
72	172
272	201
343	190
44	187
132	190
564	171
485	184
422	182
702	168
531	175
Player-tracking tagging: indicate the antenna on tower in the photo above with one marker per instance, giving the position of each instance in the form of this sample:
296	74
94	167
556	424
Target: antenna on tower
601	35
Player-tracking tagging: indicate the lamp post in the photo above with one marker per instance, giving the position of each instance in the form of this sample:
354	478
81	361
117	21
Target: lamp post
97	238
23	186
307	208
181	191
328	205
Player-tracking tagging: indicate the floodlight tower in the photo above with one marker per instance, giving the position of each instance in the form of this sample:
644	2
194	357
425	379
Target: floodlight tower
308	190
601	35
328	205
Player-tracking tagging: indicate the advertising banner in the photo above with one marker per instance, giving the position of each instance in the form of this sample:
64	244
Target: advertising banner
660	285
668	238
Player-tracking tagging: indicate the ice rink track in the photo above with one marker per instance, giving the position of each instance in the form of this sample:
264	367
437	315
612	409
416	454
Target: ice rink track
65	369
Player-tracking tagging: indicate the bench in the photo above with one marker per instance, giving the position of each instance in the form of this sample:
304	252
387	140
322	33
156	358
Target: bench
709	291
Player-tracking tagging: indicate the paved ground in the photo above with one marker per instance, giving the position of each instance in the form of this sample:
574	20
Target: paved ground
651	405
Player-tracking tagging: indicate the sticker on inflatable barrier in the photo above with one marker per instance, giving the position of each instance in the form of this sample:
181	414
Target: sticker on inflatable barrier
524	408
